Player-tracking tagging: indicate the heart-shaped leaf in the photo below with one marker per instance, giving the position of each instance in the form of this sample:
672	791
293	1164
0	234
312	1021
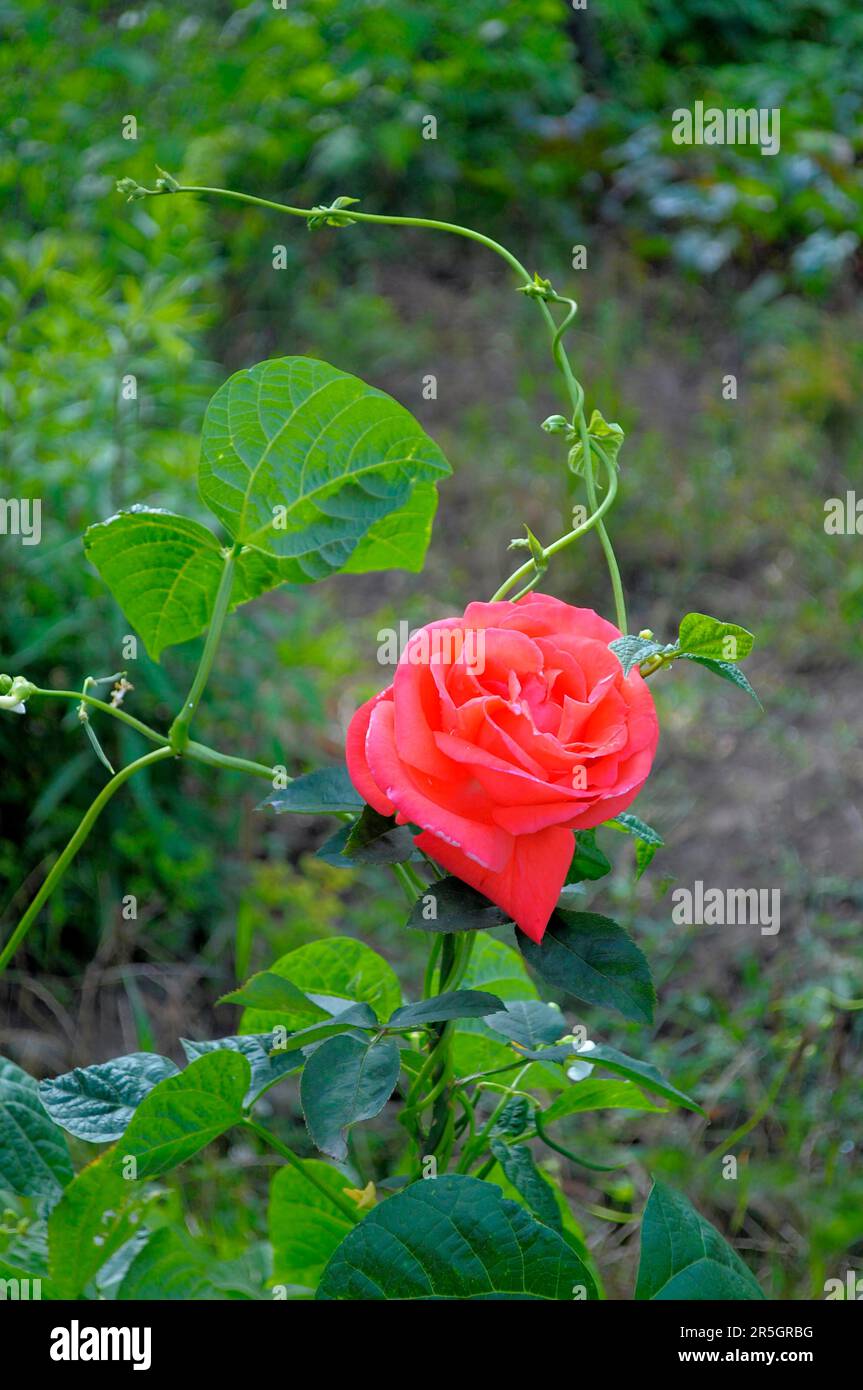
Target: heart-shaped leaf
684	1257
184	1113
454	1237
96	1103
346	1081
593	958
302	461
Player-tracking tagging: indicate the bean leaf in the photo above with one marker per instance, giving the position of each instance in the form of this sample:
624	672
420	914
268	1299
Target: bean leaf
302	461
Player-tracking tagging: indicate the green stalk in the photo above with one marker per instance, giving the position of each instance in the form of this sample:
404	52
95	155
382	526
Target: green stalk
343	1203
60	866
115	713
179	735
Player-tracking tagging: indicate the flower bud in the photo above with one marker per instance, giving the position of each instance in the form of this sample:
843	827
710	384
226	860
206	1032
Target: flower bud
13	693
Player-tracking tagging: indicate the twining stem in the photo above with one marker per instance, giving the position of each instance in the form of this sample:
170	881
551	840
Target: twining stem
574	391
332	1195
179	735
198	752
599	511
85	825
115	713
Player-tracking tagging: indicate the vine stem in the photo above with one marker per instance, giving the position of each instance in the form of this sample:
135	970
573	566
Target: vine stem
343	1204
88	820
179	735
574	391
549	550
83	698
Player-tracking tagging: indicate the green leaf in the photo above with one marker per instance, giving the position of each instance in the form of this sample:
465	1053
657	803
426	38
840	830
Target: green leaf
513	1118
345	1020
326	791
529	1023
610	438
301	461
594	1093
684	1257
339	967
376	839
726	670
398	541
640	829
457	1003
453	1237
164	571
97	1213
588	861
520	1168
172	1266
184	1113
96	1103
272	992
267	1067
345	1081
305	1228
631	651
594	959
643	857
701	635
34	1155
641	1072
450	905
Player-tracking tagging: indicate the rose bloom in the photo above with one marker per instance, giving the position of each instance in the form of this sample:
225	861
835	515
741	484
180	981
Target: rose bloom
503	732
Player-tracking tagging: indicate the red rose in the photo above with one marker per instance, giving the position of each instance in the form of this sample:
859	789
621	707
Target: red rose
502	732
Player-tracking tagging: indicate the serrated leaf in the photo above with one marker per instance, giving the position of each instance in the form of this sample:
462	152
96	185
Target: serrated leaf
631	651
96	1103
326	791
457	1003
301	461
453	1237
588	861
34	1155
593	958
644	853
639	828
684	1257
726	670
700	635
377	839
346	1081
184	1113
529	1022
450	905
